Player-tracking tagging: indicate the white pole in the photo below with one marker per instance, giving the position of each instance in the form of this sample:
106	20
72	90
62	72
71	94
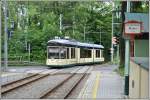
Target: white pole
100	35
127	58
112	51
84	33
0	36
118	53
60	22
5	37
29	50
149	47
73	27
127	46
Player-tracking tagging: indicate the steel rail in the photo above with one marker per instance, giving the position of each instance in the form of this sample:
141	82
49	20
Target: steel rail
47	92
75	85
20	83
15	81
23	81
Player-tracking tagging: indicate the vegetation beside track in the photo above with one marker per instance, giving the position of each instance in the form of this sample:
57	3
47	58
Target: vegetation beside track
32	23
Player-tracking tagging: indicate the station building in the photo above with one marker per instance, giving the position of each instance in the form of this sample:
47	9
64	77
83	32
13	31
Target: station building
139	63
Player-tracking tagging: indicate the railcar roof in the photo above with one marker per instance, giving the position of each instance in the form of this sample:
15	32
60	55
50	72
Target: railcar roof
74	43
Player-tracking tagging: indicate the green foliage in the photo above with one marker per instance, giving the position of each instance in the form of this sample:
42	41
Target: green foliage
41	23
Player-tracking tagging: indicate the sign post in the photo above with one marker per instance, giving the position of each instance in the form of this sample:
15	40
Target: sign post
131	29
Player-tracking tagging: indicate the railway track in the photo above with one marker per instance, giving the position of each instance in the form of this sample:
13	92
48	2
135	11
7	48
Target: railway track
23	81
72	79
63	89
8	87
19	83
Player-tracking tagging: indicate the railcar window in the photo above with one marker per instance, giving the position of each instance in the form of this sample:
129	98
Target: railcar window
89	53
102	53
67	53
85	53
97	53
82	53
63	53
72	52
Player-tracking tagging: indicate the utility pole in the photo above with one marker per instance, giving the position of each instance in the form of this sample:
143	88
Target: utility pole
118	53
60	23
100	36
149	53
0	34
112	49
29	50
73	26
127	58
5	37
84	33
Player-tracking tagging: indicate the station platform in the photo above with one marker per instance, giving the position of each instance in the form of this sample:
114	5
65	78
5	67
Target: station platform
103	85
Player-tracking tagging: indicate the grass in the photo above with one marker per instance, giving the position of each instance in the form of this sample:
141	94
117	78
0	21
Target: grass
19	65
25	63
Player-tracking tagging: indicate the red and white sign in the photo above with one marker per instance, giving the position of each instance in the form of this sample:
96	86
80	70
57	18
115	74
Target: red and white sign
133	27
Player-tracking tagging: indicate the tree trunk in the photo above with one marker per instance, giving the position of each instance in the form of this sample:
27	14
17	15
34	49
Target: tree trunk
122	43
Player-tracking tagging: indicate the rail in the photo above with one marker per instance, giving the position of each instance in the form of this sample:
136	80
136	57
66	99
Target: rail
46	93
23	81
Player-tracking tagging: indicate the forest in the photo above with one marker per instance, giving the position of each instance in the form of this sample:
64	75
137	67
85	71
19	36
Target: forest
32	23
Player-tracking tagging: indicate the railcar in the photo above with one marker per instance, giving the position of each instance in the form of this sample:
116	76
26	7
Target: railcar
67	52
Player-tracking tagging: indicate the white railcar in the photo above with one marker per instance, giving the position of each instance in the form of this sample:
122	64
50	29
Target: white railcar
65	52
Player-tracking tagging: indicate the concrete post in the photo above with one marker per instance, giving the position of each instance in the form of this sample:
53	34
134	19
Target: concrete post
5	37
100	36
112	51
127	59
60	23
118	53
0	33
29	51
84	33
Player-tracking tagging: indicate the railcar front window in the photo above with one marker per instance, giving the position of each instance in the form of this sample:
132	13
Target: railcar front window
53	52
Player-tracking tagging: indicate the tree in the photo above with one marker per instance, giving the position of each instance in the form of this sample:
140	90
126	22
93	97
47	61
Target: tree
38	22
